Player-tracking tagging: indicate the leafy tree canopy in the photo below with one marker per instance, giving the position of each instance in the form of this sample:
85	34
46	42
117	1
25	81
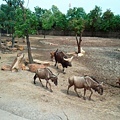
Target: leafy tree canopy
27	23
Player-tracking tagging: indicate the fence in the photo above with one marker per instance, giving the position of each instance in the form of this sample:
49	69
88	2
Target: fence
85	33
72	33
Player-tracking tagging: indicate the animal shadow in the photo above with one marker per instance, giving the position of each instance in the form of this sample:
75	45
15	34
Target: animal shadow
71	93
59	70
38	84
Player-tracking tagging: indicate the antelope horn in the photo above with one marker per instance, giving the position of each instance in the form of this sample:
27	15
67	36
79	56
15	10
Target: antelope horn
71	58
68	59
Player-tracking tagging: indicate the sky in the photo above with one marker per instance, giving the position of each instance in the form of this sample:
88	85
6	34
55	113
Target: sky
63	5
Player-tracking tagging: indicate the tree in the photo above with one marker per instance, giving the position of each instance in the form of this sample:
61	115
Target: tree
47	21
9	11
116	23
76	18
2	19
94	19
3	16
39	13
106	21
60	21
76	13
26	23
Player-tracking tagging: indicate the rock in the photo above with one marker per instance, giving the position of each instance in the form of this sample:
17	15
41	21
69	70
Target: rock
34	67
14	49
41	62
80	54
6	67
9	44
20	47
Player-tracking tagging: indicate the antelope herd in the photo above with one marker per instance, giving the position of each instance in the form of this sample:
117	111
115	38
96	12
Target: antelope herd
86	82
78	82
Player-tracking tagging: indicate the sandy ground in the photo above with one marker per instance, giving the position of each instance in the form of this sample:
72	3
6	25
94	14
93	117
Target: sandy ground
20	97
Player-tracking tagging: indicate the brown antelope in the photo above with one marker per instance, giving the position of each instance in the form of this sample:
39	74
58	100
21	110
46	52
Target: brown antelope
86	82
45	73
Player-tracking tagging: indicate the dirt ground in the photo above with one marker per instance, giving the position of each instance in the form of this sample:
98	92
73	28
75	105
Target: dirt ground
19	96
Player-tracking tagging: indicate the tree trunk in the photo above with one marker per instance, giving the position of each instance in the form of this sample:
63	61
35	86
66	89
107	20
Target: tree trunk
79	42
27	37
29	50
7	31
13	40
79	50
44	33
92	31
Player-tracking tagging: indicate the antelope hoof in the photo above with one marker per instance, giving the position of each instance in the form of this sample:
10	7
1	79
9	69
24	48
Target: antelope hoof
84	98
78	96
64	72
51	91
89	98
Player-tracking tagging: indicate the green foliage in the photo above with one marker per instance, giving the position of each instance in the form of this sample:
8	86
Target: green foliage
115	23
61	22
47	20
107	20
7	16
76	19
14	3
39	13
26	22
94	18
14	19
59	19
76	13
2	16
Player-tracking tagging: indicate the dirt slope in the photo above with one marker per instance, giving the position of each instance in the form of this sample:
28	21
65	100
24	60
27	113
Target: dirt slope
19	96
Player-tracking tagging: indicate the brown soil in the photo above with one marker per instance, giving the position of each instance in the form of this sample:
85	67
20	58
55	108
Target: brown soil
19	96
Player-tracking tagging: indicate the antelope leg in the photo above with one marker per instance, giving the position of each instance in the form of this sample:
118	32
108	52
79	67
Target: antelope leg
68	88
90	94
46	84
50	87
76	91
56	64
84	94
41	82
